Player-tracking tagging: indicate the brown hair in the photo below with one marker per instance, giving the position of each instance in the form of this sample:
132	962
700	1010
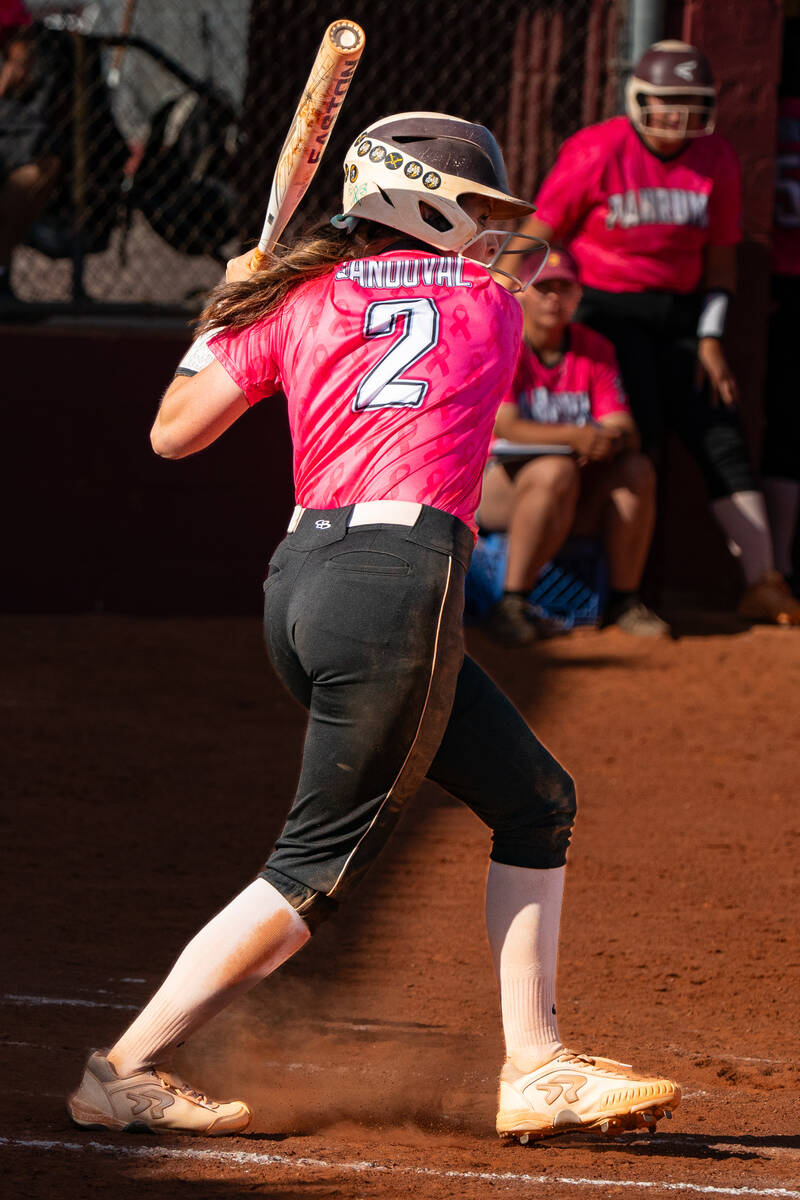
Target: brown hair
237	305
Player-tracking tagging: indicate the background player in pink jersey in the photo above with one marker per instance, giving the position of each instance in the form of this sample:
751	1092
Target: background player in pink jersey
650	205
394	350
567	390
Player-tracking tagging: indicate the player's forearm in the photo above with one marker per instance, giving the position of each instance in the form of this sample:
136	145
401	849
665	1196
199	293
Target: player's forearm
192	416
624	425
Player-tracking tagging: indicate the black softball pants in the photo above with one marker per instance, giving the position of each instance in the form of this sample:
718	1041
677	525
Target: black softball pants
364	627
654	335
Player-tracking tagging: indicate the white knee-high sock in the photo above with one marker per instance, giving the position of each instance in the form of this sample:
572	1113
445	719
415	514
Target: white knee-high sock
523	911
241	945
743	517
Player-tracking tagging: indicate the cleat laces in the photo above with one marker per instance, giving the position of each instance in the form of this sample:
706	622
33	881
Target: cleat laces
173	1083
603	1066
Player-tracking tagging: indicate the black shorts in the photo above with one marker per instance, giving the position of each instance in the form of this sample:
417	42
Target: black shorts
654	335
364	626
781	458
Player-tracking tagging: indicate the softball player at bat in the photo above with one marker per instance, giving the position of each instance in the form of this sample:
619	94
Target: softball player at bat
394	347
650	206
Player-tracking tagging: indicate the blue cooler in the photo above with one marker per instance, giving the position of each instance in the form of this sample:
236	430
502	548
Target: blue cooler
571	589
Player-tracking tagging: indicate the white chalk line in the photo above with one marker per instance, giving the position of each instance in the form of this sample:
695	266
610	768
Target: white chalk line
247	1158
357	1026
665	1139
724	1056
28	1045
274	1063
63	1001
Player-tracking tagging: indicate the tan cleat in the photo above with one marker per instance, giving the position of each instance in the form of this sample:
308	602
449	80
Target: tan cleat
770	600
150	1101
575	1091
637	619
509	623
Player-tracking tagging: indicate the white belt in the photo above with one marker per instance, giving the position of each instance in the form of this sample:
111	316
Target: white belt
373	512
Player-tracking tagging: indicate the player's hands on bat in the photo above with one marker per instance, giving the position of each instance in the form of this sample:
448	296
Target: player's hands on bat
596	443
713	362
240	268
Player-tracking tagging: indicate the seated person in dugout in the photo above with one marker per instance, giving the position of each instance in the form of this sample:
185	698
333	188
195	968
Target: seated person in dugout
35	83
567	392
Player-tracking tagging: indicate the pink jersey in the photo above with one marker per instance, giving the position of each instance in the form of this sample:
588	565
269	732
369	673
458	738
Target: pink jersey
786	229
584	386
394	367
636	222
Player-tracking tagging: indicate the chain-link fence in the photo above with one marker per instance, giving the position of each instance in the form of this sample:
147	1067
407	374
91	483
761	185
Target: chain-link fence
159	122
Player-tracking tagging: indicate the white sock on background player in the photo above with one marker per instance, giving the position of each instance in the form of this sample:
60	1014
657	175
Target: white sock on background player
240	946
743	517
523	912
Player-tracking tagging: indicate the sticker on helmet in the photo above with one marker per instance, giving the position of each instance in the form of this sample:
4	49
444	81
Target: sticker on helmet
686	70
353	173
412	170
377	154
431	180
393	160
364	147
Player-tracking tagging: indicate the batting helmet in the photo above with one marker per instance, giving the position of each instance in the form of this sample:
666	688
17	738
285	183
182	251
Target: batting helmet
673	69
408	159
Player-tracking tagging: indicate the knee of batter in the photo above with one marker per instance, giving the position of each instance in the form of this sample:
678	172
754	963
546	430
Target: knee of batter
313	907
537	832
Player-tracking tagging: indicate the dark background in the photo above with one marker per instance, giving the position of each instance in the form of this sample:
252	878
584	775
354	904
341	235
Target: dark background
94	521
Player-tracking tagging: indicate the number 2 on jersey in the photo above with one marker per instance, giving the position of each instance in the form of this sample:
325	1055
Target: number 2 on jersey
383	386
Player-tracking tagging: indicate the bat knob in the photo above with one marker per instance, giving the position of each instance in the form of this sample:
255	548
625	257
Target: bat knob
346	35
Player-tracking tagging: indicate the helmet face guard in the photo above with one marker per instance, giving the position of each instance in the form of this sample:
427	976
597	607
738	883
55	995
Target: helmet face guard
672	71
491	245
641	113
411	172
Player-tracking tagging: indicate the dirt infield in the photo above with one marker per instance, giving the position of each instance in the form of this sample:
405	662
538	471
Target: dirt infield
148	764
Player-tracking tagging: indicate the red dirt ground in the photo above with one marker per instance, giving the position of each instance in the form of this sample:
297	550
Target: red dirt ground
148	764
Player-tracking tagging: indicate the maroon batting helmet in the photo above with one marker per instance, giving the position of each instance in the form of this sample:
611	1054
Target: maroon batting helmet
673	70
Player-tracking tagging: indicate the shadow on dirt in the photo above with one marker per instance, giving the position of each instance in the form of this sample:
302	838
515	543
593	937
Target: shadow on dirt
707	1147
707	624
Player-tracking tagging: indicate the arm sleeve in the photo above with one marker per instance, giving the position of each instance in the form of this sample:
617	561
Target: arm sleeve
248	357
567	193
725	205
